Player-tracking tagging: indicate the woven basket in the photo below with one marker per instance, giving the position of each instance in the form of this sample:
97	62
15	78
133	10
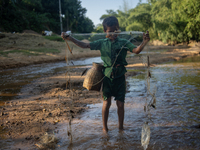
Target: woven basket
94	78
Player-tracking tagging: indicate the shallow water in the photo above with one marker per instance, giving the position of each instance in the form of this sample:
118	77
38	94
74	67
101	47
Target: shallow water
175	120
12	80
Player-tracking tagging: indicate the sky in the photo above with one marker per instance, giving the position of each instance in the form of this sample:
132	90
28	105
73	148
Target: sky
96	8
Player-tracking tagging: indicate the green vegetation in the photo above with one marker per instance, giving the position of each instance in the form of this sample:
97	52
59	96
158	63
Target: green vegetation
39	15
170	21
193	59
45	50
135	70
33	52
140	76
54	38
79	37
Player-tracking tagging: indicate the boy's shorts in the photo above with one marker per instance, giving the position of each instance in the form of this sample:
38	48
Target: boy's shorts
114	87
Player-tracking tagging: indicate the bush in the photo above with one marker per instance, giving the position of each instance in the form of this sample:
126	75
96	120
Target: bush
54	37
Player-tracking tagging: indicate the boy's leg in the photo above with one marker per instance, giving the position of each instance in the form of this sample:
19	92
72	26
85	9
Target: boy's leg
120	111
105	113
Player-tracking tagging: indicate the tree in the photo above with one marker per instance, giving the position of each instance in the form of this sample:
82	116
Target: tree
139	18
171	21
75	19
191	9
109	13
122	18
176	21
99	29
38	15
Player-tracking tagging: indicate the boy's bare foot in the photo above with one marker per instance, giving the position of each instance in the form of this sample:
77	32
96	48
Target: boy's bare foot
121	130
105	130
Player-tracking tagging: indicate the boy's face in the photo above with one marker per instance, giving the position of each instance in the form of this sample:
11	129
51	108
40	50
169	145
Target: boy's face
111	36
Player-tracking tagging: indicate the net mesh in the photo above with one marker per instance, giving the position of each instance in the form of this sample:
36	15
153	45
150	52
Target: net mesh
47	141
134	37
150	100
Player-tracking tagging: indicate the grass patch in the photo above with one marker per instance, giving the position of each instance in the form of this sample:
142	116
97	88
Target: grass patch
33	52
46	50
140	76
54	37
133	55
134	70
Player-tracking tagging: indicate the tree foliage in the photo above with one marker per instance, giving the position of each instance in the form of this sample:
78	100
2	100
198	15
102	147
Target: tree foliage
171	21
38	15
140	18
109	13
99	29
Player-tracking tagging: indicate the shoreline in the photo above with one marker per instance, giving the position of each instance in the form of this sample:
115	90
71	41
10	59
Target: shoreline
19	50
7	64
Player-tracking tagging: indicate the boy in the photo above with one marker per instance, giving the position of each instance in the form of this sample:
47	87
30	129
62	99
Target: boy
113	53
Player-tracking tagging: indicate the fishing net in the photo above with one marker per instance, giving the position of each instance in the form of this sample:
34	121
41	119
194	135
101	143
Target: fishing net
145	137
47	141
136	38
150	102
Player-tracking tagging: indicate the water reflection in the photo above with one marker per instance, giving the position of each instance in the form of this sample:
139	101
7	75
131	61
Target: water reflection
175	121
12	80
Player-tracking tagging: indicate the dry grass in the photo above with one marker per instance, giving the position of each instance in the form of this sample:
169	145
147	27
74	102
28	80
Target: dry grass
28	41
21	49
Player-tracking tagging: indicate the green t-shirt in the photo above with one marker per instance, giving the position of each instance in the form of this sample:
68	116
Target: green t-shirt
110	55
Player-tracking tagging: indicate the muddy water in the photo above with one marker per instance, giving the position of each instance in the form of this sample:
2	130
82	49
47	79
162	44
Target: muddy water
176	119
12	80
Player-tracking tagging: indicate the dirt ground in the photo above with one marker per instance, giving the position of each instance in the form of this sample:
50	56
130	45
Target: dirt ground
49	101
26	48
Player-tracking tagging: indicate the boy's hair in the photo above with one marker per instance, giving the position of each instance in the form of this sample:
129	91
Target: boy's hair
110	22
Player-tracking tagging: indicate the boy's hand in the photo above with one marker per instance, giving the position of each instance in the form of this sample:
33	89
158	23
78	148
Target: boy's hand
64	35
146	37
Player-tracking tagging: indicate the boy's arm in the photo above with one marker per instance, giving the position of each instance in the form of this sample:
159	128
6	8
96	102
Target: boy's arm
81	44
146	39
